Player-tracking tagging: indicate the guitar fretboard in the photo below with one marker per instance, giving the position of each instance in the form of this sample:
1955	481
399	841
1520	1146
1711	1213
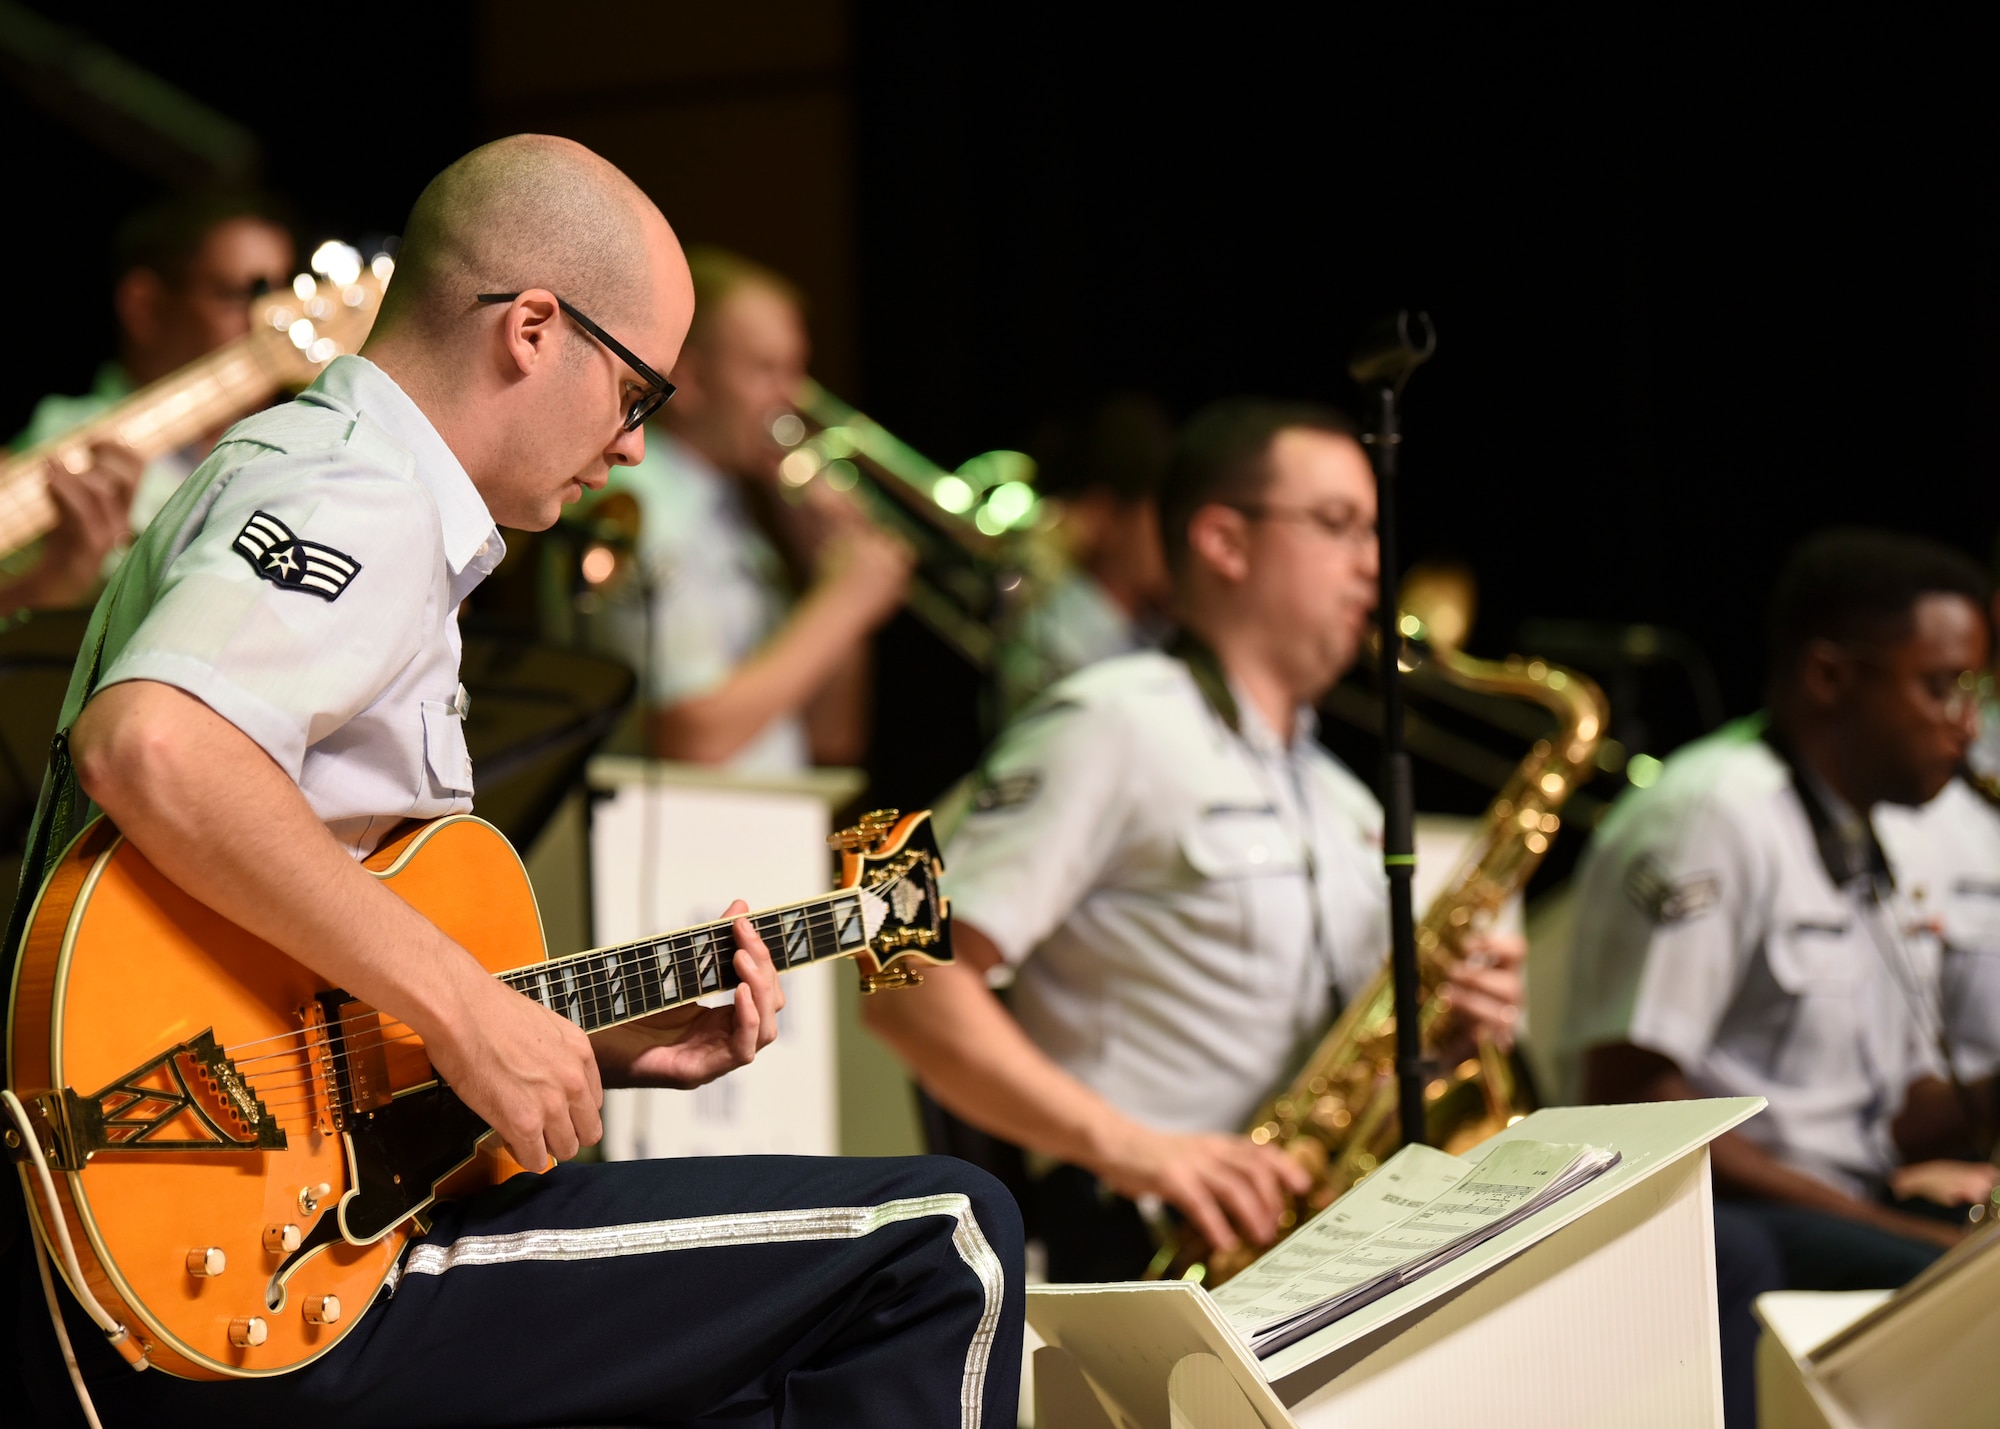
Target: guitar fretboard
607	986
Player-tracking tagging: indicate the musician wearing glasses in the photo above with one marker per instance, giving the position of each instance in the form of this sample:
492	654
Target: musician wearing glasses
751	617
1948	854
1181	884
1739	931
186	272
272	686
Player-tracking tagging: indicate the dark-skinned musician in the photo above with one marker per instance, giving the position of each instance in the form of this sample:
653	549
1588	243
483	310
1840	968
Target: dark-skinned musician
266	714
1740	932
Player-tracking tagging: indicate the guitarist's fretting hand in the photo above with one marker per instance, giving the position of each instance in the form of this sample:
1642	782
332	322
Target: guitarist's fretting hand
689	1046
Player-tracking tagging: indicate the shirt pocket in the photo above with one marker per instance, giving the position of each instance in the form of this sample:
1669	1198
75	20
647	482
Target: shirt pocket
1254	870
1816	953
1820	969
444	747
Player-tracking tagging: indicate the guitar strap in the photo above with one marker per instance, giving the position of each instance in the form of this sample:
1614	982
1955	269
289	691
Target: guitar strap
56	811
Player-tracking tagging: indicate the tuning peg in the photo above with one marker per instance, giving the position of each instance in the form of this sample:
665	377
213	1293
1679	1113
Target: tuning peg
894	976
866	833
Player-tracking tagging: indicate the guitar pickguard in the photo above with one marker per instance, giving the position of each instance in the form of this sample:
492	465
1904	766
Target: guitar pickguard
399	1154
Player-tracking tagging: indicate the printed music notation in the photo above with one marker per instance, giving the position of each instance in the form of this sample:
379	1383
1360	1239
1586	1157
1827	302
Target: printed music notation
1422	1209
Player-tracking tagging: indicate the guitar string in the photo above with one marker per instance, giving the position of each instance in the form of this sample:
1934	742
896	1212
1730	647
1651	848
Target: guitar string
311	1074
596	987
287	1113
816	920
595	990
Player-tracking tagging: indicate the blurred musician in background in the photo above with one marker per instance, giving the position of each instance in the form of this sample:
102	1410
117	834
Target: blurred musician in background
752	620
1947	854
1181	882
1114	588
185	272
1739	930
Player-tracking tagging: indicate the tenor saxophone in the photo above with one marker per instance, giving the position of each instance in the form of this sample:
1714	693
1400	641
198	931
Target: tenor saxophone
1337	1118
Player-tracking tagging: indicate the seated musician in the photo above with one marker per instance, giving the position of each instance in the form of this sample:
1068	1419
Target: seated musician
1739	930
1947	853
751	625
1110	596
280	688
1183	884
186	271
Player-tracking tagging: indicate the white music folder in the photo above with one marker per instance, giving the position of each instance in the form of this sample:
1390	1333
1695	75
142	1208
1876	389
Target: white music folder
1597	1310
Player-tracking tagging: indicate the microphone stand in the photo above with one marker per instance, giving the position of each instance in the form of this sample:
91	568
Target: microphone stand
1382	363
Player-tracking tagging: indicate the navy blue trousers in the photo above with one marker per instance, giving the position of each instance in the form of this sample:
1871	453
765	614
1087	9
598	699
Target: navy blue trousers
794	1291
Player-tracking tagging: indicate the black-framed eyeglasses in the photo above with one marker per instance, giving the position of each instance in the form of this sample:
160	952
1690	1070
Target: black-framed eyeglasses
644	405
1351	527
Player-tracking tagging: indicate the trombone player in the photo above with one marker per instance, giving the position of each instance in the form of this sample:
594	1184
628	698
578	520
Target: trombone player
1182	884
751	626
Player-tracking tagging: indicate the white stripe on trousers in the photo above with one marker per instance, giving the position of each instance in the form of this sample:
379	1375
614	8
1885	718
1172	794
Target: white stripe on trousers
751	1228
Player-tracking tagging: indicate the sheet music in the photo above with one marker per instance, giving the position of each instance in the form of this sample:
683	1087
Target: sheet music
1381	1236
1406	1182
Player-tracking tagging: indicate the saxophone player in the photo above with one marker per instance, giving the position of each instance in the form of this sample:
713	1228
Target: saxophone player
1182	884
1739	931
1949	854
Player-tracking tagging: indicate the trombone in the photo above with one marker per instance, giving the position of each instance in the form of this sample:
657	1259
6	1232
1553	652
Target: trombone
972	529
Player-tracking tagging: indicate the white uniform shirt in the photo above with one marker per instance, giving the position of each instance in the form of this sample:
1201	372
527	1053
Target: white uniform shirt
718	592
1152	876
305	584
1947	858
1709	930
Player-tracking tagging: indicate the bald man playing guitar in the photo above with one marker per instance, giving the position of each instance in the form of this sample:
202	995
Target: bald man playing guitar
270	688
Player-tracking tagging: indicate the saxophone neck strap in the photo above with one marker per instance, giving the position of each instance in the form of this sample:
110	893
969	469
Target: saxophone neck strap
1206	667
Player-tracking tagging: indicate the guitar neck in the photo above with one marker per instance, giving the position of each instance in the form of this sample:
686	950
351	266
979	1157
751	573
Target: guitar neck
158	418
607	986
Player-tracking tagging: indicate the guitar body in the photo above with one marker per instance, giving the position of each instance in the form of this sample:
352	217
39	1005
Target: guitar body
118	967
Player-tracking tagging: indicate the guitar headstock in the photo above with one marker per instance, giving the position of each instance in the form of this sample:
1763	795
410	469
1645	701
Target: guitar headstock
325	312
895	858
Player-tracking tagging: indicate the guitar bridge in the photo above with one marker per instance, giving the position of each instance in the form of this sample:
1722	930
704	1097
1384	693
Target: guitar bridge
189	1098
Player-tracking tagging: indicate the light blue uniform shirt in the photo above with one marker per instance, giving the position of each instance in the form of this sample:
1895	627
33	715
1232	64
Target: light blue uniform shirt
1709	930
1178	899
1947	857
304	584
717	592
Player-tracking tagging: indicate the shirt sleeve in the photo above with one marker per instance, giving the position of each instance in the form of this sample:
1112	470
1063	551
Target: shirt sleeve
1048	817
295	599
1669	914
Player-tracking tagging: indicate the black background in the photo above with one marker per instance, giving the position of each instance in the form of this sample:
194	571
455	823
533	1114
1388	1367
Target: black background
1698	291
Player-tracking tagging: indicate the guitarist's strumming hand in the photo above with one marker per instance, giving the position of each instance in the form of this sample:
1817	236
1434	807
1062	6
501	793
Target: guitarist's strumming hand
688	1046
529	1074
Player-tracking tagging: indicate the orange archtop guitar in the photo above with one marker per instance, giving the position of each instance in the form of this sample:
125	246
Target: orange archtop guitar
239	1152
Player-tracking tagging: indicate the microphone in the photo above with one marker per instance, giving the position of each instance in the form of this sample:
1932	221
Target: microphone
1392	349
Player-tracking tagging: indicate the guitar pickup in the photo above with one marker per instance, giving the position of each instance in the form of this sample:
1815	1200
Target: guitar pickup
357	1041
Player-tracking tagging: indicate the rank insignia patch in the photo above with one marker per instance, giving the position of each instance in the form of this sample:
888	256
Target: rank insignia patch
1667	901
284	560
1010	792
